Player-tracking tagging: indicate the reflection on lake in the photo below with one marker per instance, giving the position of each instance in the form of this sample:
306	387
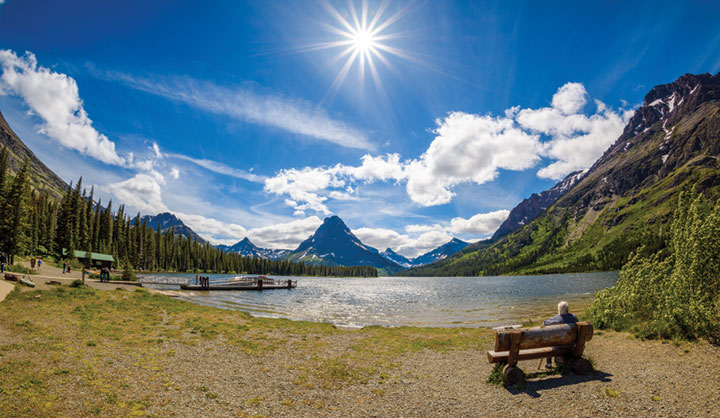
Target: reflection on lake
415	301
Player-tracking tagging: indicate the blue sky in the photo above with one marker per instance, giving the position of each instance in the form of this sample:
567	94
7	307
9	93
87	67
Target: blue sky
237	117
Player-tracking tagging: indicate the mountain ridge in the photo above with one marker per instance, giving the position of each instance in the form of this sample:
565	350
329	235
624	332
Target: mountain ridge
247	248
41	176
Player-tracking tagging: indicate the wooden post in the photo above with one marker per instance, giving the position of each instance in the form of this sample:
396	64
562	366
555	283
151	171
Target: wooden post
515	338
581	337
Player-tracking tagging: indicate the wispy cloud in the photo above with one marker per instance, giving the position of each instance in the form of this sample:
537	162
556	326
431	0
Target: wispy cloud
221	168
292	115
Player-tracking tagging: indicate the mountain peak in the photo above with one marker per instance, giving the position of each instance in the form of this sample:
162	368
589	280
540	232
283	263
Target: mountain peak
333	243
334	221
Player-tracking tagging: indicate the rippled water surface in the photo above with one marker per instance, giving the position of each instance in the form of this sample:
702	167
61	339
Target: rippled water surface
416	301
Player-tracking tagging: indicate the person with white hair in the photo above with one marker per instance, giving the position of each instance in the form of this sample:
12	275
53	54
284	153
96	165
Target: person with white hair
563	317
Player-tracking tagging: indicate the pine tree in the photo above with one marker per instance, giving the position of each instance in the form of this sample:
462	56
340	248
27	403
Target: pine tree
15	215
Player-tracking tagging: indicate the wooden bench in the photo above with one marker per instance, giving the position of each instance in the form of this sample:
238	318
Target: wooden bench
565	342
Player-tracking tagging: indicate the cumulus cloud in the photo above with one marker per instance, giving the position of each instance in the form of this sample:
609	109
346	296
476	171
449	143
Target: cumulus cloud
576	139
303	186
292	115
54	98
209	228
468	148
570	98
284	235
143	192
175	173
482	223
471	148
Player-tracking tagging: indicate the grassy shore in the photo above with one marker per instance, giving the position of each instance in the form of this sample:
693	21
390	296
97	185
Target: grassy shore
87	352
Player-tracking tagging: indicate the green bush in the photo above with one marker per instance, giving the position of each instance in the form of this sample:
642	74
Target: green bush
77	283
677	296
19	268
128	275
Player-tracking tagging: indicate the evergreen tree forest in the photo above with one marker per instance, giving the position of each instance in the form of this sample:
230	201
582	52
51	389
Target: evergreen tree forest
32	223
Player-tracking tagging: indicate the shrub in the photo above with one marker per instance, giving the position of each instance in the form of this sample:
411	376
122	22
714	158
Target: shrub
19	268
677	296
77	283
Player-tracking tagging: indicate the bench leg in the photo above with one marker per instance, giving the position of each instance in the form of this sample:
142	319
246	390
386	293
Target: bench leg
512	375
581	366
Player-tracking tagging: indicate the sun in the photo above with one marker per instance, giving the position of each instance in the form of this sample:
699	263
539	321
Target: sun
363	40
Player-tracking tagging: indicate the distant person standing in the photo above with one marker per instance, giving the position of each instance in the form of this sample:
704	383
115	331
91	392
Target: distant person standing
32	263
64	267
39	263
3	260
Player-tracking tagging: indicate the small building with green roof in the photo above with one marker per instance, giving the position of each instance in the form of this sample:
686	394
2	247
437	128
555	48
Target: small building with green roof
96	260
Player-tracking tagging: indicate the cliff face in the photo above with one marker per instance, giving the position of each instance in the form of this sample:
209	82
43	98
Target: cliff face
533	206
671	144
41	177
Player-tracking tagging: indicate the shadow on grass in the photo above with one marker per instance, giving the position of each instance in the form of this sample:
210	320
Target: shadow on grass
540	381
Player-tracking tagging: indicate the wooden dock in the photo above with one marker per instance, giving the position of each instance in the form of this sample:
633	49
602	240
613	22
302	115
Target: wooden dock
235	283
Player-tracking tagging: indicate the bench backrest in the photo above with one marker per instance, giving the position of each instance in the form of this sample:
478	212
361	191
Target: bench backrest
549	336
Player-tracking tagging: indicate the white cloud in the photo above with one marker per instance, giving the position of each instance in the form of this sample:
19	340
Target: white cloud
55	99
142	192
175	173
570	98
284	235
576	140
304	186
292	115
221	168
468	148
209	228
156	149
482	223
471	148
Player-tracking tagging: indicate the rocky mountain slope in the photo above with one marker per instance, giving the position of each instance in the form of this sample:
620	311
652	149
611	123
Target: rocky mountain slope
247	248
166	221
440	253
334	244
533	206
671	144
41	176
397	258
449	248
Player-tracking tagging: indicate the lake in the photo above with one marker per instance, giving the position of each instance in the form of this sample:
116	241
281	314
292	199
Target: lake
413	301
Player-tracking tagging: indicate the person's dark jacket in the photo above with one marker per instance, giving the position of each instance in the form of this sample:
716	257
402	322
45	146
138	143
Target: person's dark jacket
567	318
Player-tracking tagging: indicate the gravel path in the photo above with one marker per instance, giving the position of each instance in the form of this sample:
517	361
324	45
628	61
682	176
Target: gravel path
635	378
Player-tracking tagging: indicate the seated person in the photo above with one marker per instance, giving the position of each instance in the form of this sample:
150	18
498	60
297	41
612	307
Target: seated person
563	317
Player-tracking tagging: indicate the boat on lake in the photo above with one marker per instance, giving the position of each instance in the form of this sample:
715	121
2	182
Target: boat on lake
243	283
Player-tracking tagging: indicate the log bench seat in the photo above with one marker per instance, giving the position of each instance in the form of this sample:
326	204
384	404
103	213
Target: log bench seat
565	342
